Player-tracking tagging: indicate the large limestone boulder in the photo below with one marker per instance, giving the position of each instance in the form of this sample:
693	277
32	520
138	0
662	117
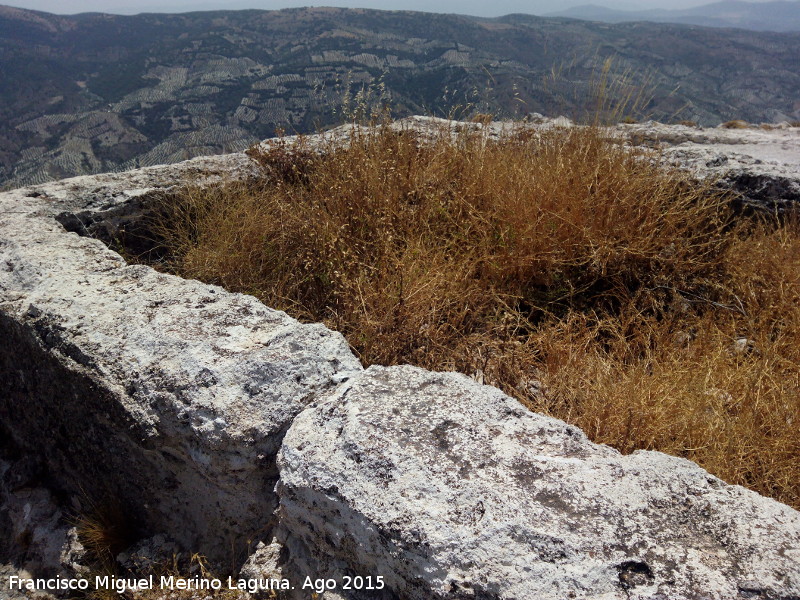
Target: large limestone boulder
166	397
450	489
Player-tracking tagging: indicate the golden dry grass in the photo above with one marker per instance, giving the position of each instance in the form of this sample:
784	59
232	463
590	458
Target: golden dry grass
736	124
104	531
585	279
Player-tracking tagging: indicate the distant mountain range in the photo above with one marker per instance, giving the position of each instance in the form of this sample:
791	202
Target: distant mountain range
95	92
779	15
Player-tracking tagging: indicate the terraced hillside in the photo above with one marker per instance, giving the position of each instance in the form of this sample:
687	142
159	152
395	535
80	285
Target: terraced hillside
94	92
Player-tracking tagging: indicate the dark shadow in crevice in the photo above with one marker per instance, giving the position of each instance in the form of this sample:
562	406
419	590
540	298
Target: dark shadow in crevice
125	228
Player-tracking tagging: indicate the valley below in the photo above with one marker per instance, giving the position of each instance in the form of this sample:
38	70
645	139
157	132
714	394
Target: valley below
93	93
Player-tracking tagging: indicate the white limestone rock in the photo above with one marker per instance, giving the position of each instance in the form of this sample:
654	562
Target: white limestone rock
450	489
264	563
170	396
761	164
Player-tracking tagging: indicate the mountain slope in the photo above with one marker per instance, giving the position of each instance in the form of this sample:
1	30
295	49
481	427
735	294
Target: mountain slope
95	92
777	15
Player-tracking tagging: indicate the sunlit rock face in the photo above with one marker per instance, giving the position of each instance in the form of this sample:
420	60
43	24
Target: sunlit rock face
450	489
169	396
174	398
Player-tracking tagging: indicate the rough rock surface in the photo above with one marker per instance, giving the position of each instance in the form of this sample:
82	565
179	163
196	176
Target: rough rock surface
35	533
173	397
761	163
170	396
450	489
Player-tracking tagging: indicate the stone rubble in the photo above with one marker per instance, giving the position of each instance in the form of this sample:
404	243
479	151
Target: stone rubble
36	534
762	164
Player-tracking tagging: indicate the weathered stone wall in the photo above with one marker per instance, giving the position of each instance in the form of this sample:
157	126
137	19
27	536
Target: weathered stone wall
454	490
202	411
170	396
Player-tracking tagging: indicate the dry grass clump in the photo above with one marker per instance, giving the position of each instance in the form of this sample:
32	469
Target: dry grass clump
719	386
735	124
583	278
104	531
482	118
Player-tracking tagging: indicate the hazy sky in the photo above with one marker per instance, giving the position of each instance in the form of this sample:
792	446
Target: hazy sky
467	7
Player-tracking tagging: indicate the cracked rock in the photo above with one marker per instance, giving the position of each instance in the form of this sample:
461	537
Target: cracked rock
451	489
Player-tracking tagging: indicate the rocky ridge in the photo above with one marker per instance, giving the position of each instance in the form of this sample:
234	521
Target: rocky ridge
203	412
183	388
93	93
760	162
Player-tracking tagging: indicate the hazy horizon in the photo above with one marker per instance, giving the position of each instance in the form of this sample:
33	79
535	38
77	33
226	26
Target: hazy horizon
466	7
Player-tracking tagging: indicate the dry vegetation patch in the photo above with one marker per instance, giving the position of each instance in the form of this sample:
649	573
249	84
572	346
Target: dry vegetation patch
735	124
582	277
